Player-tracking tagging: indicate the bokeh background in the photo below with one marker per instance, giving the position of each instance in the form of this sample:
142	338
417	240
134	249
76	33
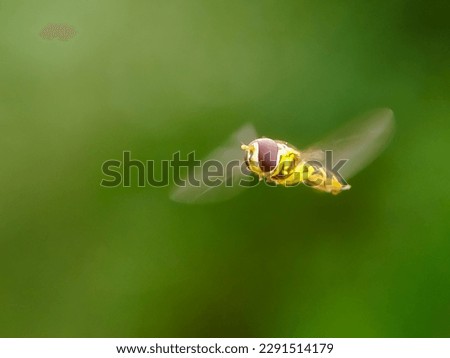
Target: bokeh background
154	77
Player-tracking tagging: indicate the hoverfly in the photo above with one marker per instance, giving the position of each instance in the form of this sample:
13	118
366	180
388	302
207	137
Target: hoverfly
280	163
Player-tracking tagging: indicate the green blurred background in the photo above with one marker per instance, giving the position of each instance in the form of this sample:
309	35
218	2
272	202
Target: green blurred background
154	77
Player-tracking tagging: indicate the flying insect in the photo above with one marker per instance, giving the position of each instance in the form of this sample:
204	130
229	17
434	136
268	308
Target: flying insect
277	162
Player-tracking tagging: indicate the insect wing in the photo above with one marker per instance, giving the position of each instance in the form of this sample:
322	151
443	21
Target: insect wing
359	142
229	152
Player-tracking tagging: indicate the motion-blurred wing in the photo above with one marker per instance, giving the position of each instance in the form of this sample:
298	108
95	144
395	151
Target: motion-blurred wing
359	142
228	152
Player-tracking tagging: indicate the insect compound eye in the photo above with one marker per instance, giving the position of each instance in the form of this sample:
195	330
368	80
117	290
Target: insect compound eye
267	154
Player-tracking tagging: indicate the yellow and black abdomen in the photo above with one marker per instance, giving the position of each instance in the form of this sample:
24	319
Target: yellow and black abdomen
318	177
311	174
